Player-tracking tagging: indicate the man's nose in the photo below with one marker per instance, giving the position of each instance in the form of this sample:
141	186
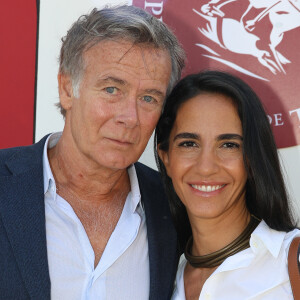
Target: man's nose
128	113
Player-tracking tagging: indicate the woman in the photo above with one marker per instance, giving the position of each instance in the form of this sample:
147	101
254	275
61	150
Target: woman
219	163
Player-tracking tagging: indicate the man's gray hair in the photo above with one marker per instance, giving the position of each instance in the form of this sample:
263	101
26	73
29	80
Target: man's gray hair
121	22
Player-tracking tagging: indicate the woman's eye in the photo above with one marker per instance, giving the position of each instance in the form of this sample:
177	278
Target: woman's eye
188	144
111	90
231	146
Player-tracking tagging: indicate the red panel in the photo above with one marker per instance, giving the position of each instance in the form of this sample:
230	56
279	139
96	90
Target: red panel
18	26
256	40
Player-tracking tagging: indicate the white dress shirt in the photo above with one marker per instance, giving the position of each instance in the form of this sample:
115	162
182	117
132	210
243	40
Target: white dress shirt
123	270
259	272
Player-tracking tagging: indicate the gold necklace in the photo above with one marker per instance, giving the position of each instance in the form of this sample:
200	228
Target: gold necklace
216	258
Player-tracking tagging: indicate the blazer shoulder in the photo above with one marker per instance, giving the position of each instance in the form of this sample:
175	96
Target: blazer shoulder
151	187
17	156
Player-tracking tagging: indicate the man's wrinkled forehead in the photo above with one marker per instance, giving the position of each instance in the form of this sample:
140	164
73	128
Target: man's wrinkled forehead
143	56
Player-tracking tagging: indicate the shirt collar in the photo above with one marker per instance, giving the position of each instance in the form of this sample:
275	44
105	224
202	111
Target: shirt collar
263	237
49	182
135	190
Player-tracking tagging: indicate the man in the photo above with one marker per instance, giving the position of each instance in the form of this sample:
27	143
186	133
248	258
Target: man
77	219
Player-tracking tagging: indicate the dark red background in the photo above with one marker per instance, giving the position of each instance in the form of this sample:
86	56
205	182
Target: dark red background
18	28
280	95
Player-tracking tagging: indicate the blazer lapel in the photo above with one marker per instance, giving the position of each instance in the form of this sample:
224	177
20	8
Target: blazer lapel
162	240
23	213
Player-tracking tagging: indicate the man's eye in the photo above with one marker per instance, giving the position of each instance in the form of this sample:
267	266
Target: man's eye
187	144
111	90
148	99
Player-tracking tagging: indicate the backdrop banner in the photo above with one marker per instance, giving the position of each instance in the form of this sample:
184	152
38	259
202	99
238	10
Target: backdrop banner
257	40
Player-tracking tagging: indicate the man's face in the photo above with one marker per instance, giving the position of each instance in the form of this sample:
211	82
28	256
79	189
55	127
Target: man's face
120	99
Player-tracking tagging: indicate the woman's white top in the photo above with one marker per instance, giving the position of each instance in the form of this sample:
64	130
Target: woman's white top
258	272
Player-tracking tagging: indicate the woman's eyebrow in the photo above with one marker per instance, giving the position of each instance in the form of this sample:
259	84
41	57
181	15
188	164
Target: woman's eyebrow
229	136
195	136
186	135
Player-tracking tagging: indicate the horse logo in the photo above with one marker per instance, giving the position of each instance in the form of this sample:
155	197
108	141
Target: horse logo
240	32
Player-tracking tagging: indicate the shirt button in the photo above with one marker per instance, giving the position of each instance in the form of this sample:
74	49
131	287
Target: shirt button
255	244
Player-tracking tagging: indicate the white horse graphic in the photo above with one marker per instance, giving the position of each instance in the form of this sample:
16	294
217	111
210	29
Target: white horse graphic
236	35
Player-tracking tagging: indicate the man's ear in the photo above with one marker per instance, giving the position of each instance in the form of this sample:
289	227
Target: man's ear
164	156
65	90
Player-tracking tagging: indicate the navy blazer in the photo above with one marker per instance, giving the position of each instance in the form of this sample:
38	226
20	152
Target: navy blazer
24	272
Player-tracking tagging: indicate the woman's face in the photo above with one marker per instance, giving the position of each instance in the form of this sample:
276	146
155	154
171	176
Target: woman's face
205	157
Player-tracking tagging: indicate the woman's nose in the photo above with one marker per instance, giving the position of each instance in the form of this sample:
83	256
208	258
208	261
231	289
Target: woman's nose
207	162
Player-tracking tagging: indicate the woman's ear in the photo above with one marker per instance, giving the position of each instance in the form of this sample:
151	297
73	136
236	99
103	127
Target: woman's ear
164	157
65	90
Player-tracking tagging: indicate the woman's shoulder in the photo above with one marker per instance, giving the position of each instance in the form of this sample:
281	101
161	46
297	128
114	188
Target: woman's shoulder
276	242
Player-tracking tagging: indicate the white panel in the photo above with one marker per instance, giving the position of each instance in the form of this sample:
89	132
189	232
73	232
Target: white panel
290	158
56	17
148	156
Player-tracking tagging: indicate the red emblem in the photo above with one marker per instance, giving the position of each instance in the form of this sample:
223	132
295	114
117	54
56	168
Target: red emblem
257	40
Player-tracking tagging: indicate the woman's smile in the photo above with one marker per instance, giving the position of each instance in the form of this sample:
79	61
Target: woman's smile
205	157
208	190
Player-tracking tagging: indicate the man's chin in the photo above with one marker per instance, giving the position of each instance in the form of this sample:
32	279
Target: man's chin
119	164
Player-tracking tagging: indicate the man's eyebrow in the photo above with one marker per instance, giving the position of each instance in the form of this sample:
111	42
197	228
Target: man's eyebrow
154	92
111	79
186	135
229	136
